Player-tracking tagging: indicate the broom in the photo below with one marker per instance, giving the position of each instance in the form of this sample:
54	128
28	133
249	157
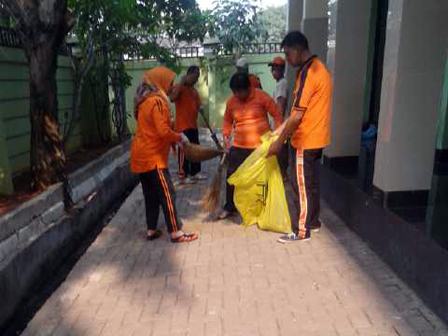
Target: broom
212	133
198	153
211	200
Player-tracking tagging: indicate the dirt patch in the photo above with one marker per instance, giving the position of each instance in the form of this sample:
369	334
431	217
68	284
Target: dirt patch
75	160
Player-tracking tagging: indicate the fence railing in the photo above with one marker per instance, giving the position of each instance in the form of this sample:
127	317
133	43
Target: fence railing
189	52
182	52
263	48
10	38
195	51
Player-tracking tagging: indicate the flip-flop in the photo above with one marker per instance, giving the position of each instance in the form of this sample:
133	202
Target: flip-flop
185	238
155	235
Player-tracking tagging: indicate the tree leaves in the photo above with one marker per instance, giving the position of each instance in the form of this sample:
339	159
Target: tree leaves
236	24
137	27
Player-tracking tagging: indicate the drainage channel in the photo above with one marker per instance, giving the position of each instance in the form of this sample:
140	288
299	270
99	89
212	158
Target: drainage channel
42	291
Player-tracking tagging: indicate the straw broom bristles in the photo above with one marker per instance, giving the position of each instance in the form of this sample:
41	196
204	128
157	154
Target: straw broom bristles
198	153
212	197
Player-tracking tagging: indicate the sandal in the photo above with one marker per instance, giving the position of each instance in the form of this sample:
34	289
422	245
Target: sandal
155	235
185	238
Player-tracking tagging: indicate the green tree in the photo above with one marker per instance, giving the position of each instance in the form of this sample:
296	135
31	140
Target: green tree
110	28
236	24
273	19
43	26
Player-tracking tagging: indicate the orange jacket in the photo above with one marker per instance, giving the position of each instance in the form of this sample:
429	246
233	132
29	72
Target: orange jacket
250	118
154	136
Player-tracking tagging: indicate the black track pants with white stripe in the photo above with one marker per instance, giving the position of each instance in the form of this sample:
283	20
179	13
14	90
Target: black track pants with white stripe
158	191
305	180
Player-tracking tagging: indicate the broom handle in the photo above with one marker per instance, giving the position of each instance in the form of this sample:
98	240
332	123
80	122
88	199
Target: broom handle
213	135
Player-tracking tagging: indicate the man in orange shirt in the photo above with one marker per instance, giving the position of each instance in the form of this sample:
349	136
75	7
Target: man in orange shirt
150	149
247	114
188	103
309	128
242	66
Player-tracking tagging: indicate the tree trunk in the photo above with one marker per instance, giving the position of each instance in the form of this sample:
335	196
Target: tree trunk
47	156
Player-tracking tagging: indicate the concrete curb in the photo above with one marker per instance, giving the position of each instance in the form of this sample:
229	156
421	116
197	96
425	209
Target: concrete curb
38	235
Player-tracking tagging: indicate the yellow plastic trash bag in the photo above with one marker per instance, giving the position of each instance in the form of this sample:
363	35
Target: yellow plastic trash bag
259	191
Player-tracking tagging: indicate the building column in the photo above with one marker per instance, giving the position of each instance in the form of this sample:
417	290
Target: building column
294	15
315	26
310	17
351	64
414	61
294	22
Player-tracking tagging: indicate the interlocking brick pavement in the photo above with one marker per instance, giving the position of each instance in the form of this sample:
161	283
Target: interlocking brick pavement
232	281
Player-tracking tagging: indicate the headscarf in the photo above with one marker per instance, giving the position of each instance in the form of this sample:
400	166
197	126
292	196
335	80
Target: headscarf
156	82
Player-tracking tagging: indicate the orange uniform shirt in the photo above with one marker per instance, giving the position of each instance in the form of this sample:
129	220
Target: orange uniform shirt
154	136
250	118
312	96
187	108
255	82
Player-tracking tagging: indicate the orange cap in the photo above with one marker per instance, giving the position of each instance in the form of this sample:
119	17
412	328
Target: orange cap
277	61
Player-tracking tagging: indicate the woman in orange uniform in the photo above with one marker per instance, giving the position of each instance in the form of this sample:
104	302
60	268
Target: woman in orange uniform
150	150
246	114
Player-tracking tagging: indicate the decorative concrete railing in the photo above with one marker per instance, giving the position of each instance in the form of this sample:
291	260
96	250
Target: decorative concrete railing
263	48
10	38
201	51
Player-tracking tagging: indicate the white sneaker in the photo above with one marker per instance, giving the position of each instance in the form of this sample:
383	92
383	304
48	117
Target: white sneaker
187	180
199	177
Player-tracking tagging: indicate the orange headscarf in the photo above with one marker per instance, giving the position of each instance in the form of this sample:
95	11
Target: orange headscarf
156	81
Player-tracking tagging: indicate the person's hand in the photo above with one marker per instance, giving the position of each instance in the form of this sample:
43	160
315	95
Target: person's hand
274	148
279	129
272	134
174	149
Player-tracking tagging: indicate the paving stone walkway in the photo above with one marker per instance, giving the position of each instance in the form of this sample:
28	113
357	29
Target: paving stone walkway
232	281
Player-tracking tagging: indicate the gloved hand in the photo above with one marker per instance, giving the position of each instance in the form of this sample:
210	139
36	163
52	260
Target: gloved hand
183	139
